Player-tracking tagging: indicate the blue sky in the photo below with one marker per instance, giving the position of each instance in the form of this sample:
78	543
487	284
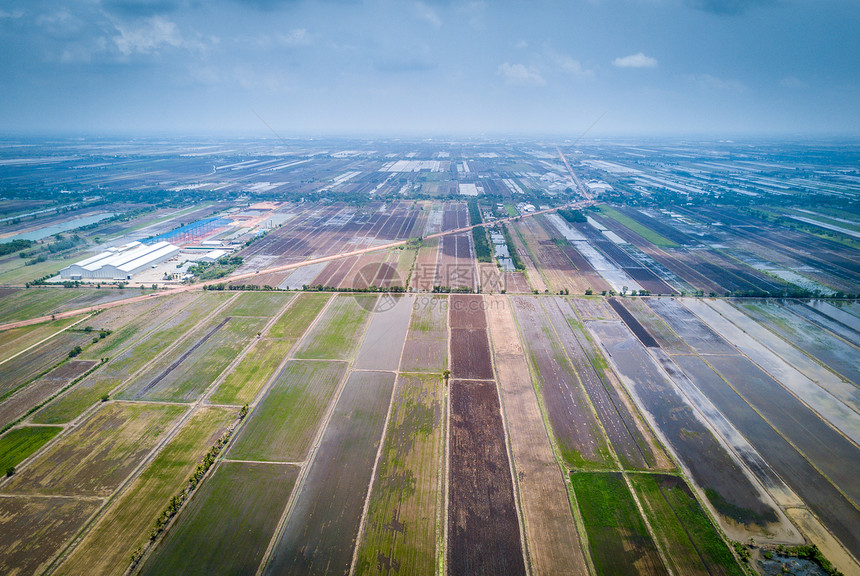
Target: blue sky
350	67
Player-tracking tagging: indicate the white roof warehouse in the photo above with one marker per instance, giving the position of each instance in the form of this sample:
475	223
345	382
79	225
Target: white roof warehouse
120	263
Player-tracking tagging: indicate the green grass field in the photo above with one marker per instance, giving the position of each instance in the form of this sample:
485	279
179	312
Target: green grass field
430	316
638	228
133	358
125	526
692	543
619	540
259	303
196	372
127	324
407	483
19	443
296	319
228	524
15	271
283	424
185	372
426	347
99	454
244	382
336	335
75	402
405	262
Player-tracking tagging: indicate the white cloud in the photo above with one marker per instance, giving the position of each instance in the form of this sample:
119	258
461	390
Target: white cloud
792	82
638	60
521	75
148	36
520	45
428	14
15	14
570	65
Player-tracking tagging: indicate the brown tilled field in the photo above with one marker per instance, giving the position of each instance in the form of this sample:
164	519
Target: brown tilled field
54	520
483	528
470	354
467	311
516	283
456	265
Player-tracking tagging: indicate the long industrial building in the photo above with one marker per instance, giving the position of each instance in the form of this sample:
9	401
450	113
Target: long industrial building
120	263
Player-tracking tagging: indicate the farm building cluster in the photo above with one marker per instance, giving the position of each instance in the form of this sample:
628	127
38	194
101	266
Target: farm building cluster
120	263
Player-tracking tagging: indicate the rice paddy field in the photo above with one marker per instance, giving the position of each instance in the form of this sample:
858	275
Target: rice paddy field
343	431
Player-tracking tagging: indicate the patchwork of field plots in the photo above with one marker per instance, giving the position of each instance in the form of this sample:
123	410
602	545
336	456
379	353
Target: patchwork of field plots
94	458
656	388
320	532
551	536
125	525
419	433
188	368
